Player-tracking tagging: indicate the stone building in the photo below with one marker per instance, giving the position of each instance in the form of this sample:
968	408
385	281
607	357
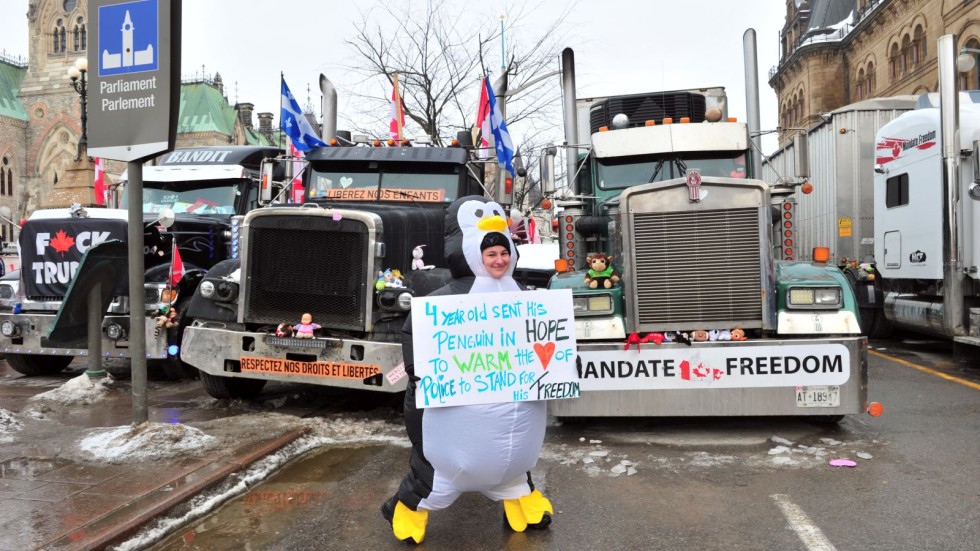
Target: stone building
40	116
837	52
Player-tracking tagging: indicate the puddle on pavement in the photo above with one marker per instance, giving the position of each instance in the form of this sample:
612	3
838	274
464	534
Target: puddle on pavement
301	489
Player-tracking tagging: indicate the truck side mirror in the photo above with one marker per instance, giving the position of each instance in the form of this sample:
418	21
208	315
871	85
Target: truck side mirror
265	182
547	166
801	156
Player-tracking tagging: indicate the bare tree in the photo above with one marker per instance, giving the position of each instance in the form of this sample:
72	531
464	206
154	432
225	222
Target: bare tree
441	56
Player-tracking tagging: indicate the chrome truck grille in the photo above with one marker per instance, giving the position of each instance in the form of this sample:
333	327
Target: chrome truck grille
697	267
697	264
314	264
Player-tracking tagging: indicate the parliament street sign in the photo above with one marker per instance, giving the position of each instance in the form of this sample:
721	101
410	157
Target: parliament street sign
134	77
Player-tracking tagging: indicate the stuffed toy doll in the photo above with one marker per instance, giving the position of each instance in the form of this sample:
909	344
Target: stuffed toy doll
486	448
417	262
284	330
304	329
166	320
601	272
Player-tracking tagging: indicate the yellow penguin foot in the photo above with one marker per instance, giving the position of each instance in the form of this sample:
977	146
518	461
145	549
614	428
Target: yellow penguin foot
530	511
407	525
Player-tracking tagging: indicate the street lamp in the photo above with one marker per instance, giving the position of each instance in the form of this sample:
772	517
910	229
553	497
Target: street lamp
966	62
77	75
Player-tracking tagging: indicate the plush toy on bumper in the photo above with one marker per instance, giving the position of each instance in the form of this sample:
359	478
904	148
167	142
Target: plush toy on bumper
601	272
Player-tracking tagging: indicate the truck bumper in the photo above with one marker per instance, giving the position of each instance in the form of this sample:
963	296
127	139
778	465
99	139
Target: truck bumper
717	378
346	363
31	328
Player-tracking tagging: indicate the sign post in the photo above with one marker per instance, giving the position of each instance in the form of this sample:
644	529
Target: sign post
134	99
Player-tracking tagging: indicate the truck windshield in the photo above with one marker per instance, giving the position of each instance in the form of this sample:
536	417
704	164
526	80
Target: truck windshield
422	184
624	172
199	197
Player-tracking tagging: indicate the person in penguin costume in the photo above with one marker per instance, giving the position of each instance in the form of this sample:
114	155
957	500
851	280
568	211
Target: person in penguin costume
486	448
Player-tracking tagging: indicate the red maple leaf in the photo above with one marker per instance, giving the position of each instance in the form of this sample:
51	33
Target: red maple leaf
62	242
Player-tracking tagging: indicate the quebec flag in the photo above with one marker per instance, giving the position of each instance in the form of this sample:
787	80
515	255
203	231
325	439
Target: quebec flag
505	146
294	123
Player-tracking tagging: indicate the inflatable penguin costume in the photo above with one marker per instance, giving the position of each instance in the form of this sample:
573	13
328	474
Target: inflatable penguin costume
486	448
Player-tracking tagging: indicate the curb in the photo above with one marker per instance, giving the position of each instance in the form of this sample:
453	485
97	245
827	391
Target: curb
126	520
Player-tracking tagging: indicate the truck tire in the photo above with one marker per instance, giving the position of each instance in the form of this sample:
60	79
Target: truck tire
231	388
34	366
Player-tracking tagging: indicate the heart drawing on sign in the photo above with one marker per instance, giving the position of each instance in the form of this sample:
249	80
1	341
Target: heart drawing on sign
544	352
346	181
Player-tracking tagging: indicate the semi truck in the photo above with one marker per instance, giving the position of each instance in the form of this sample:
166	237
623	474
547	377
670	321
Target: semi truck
703	320
898	220
371	213
201	189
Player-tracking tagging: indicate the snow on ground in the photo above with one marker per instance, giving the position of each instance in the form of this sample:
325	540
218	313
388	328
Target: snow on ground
147	441
80	390
8	426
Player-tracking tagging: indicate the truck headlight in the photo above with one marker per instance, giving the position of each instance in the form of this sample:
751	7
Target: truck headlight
396	300
226	291
8	328
592	304
207	289
115	331
814	297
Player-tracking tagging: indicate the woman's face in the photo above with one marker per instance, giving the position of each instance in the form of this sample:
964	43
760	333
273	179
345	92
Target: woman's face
496	260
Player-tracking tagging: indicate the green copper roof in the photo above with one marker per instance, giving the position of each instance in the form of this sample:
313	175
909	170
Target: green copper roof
10	77
204	109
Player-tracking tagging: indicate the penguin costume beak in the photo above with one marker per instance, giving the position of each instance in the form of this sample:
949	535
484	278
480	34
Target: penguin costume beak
492	223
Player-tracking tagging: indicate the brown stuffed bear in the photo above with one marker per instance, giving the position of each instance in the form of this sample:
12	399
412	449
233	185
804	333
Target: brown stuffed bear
600	272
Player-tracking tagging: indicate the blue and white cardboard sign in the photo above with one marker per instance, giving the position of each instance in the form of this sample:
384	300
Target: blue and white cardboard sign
129	38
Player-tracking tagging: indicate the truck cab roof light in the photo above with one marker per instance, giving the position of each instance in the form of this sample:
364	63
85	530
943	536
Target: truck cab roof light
455	143
391	143
807	188
334	142
651	123
732	119
603	129
685	120
376	143
668	120
561	265
821	254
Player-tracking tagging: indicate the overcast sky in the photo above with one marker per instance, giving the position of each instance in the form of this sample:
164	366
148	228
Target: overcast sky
621	46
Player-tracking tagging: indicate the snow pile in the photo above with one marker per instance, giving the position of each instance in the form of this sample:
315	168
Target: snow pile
146	441
8	425
80	390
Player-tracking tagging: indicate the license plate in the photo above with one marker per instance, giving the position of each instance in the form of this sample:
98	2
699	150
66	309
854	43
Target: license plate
822	396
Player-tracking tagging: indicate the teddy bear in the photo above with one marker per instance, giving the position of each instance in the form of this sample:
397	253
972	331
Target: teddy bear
417	262
600	271
166	320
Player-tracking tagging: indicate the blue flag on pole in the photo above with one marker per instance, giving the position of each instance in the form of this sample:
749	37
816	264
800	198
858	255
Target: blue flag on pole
293	122
504	145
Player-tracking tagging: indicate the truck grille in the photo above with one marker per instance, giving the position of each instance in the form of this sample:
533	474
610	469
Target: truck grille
700	269
308	265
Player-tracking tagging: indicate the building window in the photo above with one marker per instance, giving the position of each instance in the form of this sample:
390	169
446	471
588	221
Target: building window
6	177
79	35
60	37
69	5
870	81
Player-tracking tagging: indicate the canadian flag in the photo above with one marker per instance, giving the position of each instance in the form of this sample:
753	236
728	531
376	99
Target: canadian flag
483	122
176	268
397	124
100	187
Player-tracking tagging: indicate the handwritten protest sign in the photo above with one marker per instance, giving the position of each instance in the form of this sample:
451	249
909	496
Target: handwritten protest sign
494	347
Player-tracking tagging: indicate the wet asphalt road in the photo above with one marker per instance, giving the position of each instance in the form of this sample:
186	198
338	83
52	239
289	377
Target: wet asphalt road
695	484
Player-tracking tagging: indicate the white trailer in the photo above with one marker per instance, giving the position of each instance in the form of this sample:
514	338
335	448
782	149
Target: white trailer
839	212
